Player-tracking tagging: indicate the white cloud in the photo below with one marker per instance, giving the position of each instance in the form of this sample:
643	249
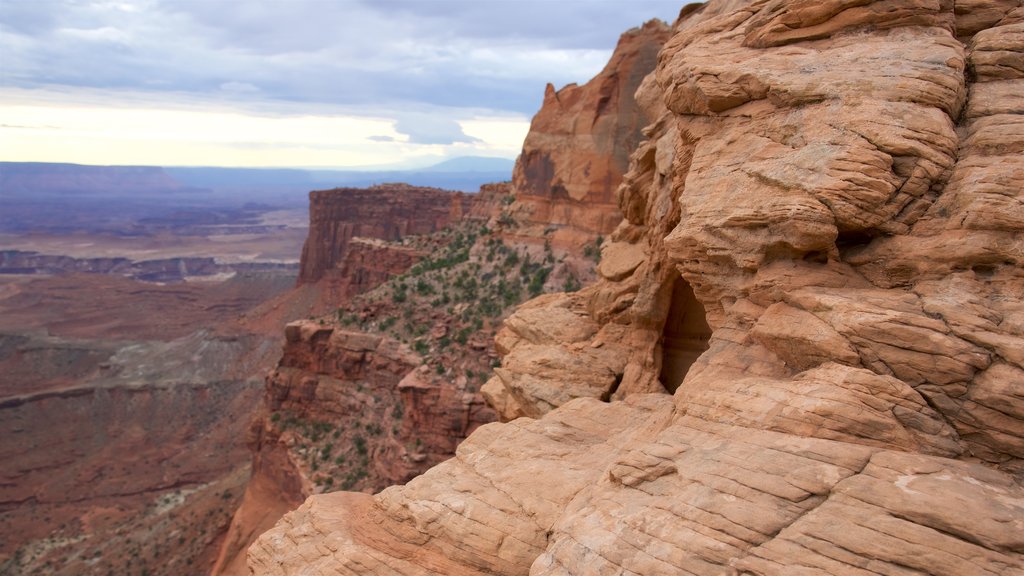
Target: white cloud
239	88
49	126
430	71
103	34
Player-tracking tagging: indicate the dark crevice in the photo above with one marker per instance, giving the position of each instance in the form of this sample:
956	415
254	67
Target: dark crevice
852	241
607	395
816	256
983	271
685	335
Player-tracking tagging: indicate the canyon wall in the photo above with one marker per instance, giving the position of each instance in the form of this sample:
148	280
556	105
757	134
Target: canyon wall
164	270
122	405
370	253
387	212
804	352
422	404
578	146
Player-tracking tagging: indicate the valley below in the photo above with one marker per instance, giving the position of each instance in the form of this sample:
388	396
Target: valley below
130	378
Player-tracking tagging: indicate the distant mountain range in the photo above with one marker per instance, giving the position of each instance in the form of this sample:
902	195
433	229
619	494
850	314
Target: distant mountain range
60	197
473	164
466	174
256	184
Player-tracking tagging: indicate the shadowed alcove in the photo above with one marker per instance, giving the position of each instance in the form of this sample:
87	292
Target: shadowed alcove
685	336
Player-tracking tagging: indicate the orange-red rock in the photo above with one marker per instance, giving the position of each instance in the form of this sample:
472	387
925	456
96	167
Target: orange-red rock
831	289
578	146
387	212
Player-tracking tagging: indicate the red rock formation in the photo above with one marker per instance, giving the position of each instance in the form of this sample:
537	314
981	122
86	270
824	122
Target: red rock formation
367	264
388	212
578	147
345	409
828	207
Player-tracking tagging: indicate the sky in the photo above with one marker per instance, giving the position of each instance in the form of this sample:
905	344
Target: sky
300	83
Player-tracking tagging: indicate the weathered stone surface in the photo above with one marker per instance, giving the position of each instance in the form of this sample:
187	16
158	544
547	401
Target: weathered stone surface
905	514
800	338
831	401
478	511
619	260
550	359
836	185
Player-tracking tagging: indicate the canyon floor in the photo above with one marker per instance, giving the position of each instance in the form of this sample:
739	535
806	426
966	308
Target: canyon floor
124	403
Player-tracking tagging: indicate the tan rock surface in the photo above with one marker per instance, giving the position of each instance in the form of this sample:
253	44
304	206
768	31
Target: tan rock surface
835	185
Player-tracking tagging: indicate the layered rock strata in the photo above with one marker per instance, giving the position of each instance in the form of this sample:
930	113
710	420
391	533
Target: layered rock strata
829	205
123	406
165	270
367	263
387	212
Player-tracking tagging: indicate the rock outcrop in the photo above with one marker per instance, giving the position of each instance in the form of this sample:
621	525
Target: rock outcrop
538	227
808	331
578	147
344	409
387	212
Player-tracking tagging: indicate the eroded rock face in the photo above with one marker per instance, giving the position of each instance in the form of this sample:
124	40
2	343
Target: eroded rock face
578	147
344	409
838	186
388	212
367	264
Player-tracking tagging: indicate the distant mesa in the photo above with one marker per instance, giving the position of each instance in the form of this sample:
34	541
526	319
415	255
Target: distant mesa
35	178
473	164
465	174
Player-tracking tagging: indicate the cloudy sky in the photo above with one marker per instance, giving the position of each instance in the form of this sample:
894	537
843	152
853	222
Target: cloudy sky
324	83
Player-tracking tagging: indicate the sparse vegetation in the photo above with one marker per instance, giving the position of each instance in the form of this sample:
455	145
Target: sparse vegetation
446	309
593	251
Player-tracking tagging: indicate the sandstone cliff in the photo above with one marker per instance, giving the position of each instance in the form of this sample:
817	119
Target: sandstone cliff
578	147
387	212
808	334
541	235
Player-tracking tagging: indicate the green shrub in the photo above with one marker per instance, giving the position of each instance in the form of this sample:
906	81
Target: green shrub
571	284
399	295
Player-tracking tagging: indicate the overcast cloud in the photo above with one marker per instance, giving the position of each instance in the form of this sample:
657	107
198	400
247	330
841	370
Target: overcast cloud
426	65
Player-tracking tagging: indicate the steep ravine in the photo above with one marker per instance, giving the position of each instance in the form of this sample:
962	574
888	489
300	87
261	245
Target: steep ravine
829	200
